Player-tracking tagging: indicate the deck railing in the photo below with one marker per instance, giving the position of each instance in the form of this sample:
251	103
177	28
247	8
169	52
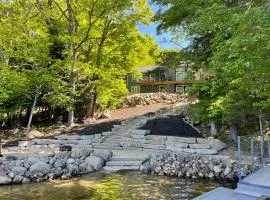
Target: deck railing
259	151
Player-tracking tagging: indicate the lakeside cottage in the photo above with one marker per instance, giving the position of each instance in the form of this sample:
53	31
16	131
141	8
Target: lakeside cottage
161	78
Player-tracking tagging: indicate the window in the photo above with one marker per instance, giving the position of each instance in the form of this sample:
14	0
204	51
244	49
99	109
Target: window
179	89
180	73
135	89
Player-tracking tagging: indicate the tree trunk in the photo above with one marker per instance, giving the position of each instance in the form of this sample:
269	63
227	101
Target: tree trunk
94	102
233	133
213	129
31	114
72	98
1	147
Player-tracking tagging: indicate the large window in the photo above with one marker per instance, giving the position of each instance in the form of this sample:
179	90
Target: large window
179	89
180	73
135	89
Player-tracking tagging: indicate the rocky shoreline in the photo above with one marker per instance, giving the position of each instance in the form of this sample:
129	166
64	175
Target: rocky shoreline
193	166
62	165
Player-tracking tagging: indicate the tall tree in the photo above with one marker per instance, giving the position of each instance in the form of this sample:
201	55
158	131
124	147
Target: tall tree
230	40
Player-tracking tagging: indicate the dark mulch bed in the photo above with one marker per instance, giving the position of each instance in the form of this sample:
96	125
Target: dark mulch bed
171	126
97	128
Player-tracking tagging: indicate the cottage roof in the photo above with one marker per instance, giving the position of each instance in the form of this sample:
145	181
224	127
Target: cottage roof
147	68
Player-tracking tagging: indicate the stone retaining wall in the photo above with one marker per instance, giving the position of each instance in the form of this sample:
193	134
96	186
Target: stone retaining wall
193	166
206	146
63	165
151	98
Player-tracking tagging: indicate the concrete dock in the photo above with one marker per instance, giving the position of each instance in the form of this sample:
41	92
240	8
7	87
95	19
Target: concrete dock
252	187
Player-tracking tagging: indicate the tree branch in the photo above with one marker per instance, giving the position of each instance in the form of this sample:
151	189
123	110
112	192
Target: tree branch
61	10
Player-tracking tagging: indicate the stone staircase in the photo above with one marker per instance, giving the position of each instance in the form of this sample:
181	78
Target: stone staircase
130	145
126	160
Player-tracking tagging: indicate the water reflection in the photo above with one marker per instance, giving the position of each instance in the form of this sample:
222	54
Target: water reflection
106	186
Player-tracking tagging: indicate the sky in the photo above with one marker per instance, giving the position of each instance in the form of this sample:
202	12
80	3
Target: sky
164	38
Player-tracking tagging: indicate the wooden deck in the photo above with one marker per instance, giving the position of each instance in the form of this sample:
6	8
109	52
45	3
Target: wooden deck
185	82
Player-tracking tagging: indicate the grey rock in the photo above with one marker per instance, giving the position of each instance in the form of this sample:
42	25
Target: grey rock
104	154
17	179
81	152
206	151
216	144
90	169
217	169
211	175
227	171
199	146
33	160
83	167
19	170
181	139
202	140
26	180
73	169
70	161
94	161
4	179
41	168
59	163
57	172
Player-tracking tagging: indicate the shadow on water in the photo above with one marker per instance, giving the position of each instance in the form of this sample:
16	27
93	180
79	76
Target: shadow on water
105	186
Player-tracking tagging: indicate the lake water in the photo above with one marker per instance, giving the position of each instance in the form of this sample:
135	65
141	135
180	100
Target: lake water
129	185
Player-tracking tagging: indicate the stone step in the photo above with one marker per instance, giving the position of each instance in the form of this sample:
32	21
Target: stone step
122	158
108	147
139	132
112	141
108	133
123	163
119	168
152	150
150	146
114	137
110	144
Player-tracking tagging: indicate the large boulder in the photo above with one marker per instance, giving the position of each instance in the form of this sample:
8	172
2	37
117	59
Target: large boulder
4	179
60	163
81	152
32	160
216	144
17	179
40	168
95	161
104	154
18	170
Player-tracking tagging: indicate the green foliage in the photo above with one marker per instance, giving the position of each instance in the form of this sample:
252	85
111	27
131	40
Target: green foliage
230	41
71	54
